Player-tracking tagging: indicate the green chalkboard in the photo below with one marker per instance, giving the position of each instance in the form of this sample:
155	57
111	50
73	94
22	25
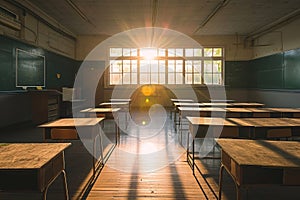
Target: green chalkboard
30	69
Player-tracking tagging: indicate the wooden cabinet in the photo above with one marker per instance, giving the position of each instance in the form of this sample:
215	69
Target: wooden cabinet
45	105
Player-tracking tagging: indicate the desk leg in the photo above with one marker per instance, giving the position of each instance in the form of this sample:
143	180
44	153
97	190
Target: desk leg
193	149
221	181
64	182
187	148
180	128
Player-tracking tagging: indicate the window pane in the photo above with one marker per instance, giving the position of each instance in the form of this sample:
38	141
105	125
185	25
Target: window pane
208	78
126	78
197	52
171	65
144	78
217	79
188	66
116	66
179	52
144	66
197	78
133	78
115	52
189	52
134	65
115	79
126	65
207	52
126	52
162	66
133	52
154	78
171	78
207	66
154	66
197	66
171	52
179	65
148	53
162	52
217	52
188	78
179	78
217	66
162	78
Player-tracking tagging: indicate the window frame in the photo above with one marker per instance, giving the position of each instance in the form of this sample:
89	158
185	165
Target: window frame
166	58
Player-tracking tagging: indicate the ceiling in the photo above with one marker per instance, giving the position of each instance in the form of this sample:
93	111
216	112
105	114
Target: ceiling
192	17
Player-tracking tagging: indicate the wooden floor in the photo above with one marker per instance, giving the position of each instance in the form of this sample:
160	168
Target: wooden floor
148	163
152	167
172	182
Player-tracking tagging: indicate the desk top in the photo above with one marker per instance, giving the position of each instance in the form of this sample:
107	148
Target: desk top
72	122
207	121
199	109
100	110
29	155
246	104
265	122
249	122
285	154
188	104
285	110
217	104
114	103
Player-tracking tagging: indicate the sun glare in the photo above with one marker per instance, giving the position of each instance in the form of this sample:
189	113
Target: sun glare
148	53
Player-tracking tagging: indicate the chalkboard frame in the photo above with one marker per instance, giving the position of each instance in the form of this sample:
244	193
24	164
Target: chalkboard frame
38	64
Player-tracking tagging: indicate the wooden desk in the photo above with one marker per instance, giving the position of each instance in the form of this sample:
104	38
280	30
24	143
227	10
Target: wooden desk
286	112
260	162
254	128
66	129
32	166
247	105
198	112
108	114
115	104
188	104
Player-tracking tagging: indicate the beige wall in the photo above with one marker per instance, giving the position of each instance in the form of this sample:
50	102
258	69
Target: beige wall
279	40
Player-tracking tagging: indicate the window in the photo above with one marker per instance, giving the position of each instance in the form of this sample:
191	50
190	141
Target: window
166	66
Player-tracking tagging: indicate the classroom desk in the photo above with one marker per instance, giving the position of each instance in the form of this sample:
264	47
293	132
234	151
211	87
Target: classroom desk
234	112
65	129
115	104
108	114
259	162
124	107
174	110
32	166
286	112
254	128
198	112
